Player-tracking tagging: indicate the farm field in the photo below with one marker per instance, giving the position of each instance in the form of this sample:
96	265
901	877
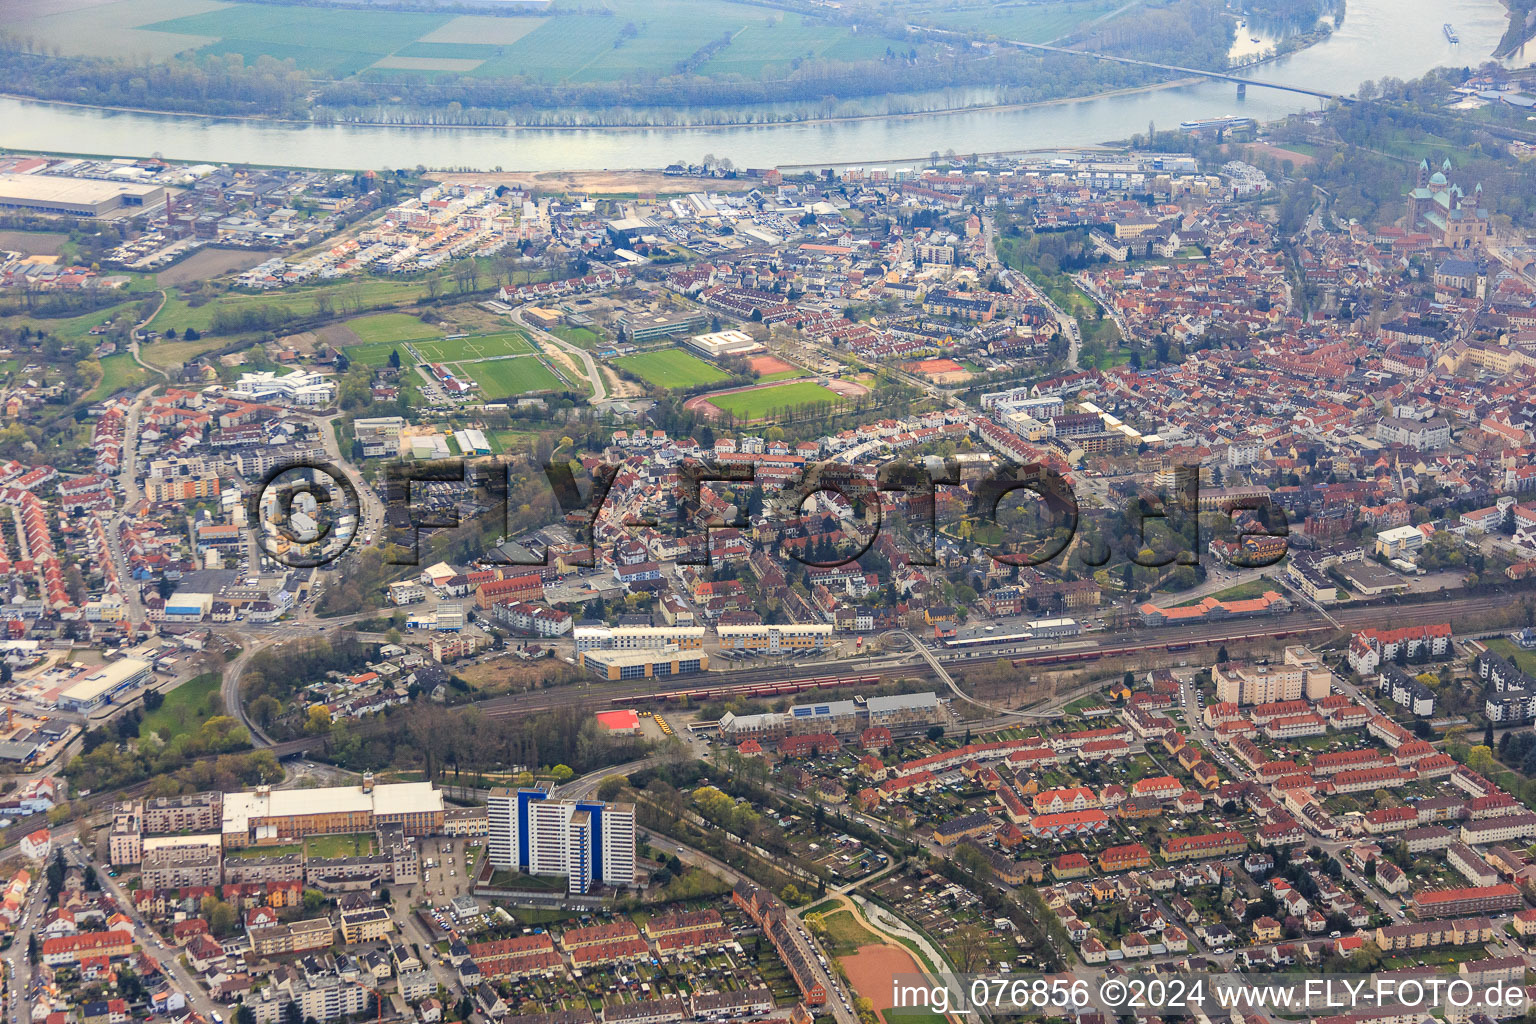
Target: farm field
107	29
1027	22
765	44
755	403
508	378
333	41
208	263
671	368
571	42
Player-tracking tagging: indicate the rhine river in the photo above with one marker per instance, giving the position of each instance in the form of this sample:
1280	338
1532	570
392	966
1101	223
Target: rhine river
1379	38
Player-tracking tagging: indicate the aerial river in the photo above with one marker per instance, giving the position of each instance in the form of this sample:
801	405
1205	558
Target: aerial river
1379	38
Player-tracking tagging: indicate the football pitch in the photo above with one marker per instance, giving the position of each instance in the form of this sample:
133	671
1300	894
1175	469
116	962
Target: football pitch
671	368
479	346
756	403
500	379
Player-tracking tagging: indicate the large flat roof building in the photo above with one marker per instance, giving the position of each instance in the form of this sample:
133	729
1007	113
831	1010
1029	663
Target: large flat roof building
81	197
725	343
99	686
266	816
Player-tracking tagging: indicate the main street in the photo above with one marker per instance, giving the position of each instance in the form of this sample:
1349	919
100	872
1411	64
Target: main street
197	995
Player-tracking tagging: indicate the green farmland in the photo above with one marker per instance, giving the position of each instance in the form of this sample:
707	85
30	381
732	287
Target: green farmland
569	42
671	368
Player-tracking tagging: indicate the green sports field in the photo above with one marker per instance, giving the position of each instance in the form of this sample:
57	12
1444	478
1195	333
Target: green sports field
480	346
510	378
376	353
760	402
671	368
392	328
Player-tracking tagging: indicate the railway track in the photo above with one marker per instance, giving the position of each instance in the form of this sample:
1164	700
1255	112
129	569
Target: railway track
775	681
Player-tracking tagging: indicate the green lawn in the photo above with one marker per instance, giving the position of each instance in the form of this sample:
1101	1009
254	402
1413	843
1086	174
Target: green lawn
480	346
581	337
355	844
73	328
1241	592
247	852
173	353
1525	661
376	353
846	933
117	371
359	293
185	708
515	440
509	378
671	368
758	403
518	880
393	328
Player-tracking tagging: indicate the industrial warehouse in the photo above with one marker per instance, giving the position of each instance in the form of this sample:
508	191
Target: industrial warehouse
83	197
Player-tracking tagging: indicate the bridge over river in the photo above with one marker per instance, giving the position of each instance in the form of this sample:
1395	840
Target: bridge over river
1219	76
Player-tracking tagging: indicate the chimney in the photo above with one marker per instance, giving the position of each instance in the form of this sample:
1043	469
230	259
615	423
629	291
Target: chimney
367	782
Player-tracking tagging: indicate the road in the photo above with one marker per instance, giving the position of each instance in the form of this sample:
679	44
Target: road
839	1000
599	386
1114	59
149	941
371	520
1088	289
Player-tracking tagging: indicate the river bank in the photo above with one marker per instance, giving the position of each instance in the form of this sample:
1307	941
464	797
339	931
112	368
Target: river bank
429	127
1380	38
